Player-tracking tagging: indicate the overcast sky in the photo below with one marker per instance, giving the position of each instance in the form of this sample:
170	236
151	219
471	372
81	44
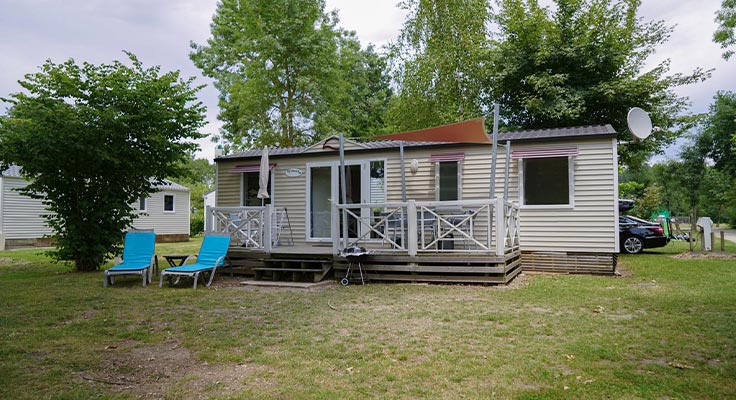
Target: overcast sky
159	32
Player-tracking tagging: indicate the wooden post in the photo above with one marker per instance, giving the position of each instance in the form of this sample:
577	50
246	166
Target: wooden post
334	227
712	240
266	213
723	243
506	171
500	227
207	218
489	225
494	150
693	213
411	241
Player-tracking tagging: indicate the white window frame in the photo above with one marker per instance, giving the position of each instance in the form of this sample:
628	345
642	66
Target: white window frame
459	179
385	177
272	173
570	191
143	200
173	203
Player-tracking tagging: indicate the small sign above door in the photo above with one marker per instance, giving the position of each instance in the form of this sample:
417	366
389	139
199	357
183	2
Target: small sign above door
294	172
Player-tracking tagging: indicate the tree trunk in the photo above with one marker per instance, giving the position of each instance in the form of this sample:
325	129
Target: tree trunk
693	218
84	265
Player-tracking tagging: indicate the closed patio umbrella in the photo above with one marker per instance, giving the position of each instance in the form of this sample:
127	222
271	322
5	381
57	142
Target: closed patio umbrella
263	176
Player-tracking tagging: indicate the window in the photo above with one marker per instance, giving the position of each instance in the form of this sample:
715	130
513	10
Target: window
377	182
142	204
249	197
448	180
168	203
546	181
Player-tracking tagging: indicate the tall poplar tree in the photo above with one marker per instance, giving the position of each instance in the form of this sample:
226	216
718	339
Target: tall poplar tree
725	34
440	63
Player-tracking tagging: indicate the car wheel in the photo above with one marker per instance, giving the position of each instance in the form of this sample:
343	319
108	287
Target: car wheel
632	245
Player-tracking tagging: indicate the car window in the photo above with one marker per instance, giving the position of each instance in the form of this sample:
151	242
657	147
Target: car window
640	221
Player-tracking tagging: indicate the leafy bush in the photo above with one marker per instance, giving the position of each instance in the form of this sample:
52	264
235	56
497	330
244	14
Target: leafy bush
196	224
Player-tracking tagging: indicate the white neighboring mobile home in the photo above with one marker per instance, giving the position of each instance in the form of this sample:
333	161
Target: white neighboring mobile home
167	212
22	223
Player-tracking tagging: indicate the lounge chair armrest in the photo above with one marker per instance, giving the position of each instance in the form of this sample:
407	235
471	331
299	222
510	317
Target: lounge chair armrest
190	257
221	259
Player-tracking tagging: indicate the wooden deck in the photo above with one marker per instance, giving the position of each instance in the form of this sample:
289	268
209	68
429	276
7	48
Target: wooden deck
317	263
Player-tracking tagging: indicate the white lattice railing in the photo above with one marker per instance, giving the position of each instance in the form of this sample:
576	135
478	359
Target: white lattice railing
248	227
511	217
251	226
467	226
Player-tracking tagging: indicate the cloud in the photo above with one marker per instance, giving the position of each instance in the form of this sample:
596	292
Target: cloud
159	33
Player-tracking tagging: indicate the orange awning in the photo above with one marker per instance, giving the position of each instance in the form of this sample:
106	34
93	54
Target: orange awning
472	131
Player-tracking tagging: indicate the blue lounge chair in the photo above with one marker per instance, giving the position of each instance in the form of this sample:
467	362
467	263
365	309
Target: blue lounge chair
211	255
138	257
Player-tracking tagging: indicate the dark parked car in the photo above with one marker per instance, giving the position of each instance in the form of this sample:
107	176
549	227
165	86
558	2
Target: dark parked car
636	234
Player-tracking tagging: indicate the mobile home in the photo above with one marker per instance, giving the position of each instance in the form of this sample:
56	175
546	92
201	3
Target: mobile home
22	223
553	207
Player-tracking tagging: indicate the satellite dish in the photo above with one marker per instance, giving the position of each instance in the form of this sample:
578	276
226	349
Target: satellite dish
639	123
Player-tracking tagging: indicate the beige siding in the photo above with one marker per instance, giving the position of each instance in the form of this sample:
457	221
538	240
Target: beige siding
588	226
21	215
165	223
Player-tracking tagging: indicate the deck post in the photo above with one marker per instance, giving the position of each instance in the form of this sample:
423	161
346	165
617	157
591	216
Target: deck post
207	219
489	225
494	150
500	227
411	241
266	213
334	228
403	170
506	171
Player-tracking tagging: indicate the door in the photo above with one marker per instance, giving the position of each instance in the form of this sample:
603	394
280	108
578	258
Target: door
320	192
324	183
353	195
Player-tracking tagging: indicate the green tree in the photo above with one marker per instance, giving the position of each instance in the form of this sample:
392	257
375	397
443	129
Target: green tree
199	176
630	189
718	137
196	171
284	70
363	92
649	203
717	193
674	197
690	174
725	34
440	63
91	140
583	62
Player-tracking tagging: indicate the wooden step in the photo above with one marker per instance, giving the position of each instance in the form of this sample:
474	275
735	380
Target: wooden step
310	270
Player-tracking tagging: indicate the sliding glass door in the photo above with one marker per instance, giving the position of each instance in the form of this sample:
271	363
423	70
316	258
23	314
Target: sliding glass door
320	190
364	183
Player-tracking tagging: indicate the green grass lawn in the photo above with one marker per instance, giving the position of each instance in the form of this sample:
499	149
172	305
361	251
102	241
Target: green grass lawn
666	330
